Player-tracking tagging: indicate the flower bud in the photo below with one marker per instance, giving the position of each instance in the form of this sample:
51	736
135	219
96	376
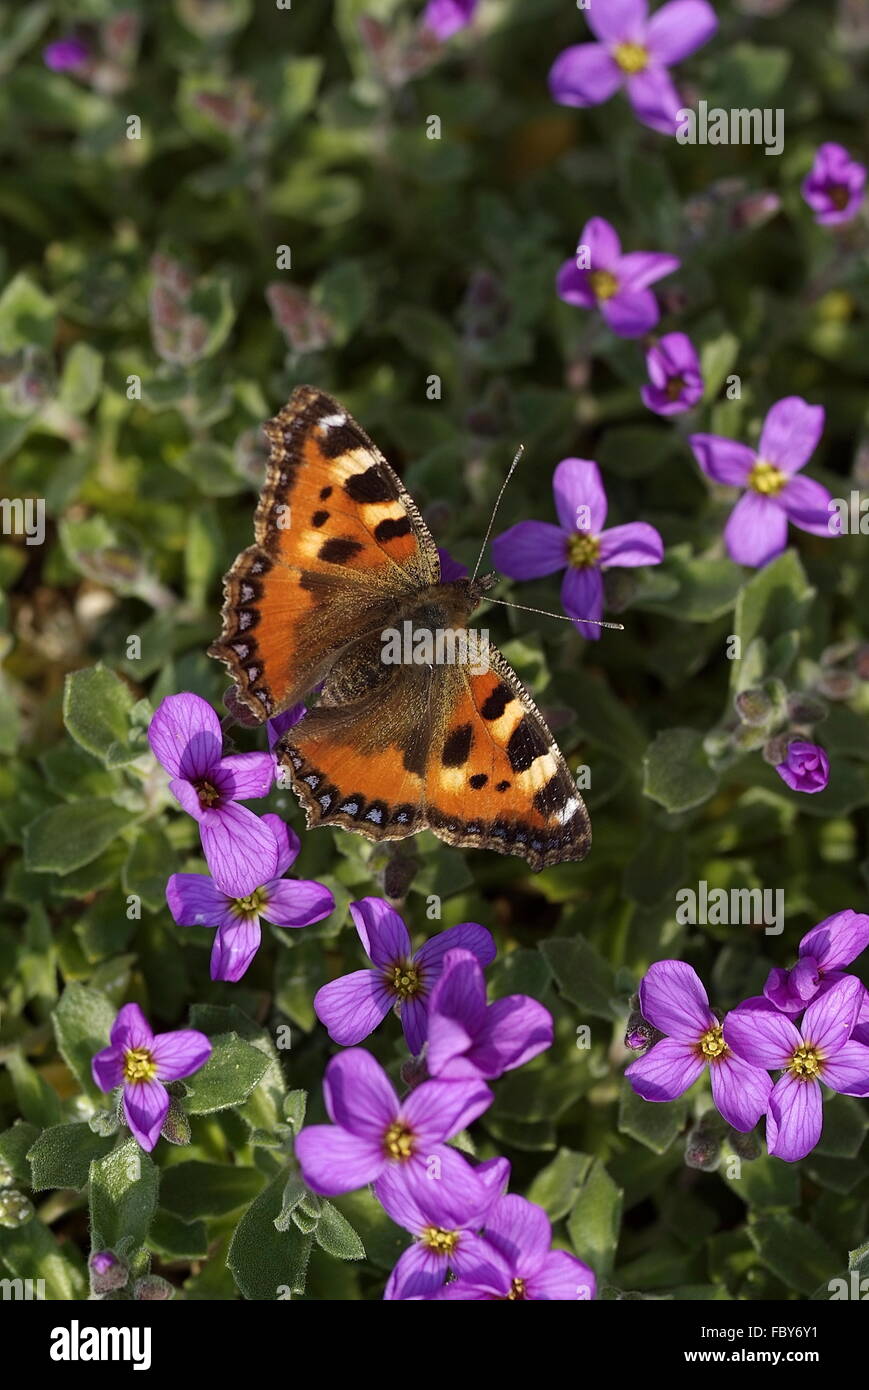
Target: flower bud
754	707
804	708
776	750
745	1146
152	1289
107	1271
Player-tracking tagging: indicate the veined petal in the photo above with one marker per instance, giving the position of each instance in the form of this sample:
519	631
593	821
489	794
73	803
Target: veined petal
582	597
807	504
296	902
758	1033
829	1022
334	1161
460	992
107	1068
740	1091
640	269
580	499
381	931
724	460
185	736
180	1053
756	530
794	1119
246	776
353	1006
437	1110
584	75
194	901
235	944
666	1070
456	1200
631	313
635	543
515	1029
561	1278
418	1273
673	999
413	1013
131	1029
838	940
529	550
520	1231
146	1104
240	850
467	936
288	843
848	1070
187	797
676	30
790	433
359	1095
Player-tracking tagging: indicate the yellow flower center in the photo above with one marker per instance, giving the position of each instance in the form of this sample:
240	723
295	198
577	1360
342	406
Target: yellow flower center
251	905
441	1241
631	57
517	1291
603	283
404	979
398	1141
208	794
766	479
712	1046
806	1063
139	1065
583	550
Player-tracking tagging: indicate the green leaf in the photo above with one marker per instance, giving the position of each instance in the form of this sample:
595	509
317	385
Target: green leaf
175	1239
582	975
62	1155
194	1189
266	1263
556	1186
334	1234
764	1182
96	709
775	601
27	316
717	357
37	1101
593	1224
31	1252
14	1146
82	1023
82	378
845	1125
676	773
793	1251
653	1123
228	1077
123	1198
58	842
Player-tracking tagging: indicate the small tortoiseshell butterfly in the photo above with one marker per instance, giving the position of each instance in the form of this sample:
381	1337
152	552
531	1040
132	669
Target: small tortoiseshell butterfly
341	556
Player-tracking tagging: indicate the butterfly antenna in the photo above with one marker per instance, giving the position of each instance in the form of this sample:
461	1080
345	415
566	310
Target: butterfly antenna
519	452
596	622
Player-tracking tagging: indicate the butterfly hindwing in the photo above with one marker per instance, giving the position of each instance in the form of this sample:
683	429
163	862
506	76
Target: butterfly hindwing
339	544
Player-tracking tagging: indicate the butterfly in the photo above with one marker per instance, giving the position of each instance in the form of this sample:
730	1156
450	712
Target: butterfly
342	561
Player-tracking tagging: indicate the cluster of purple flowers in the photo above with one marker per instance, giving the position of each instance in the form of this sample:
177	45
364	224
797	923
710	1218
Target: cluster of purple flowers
811	1024
493	1246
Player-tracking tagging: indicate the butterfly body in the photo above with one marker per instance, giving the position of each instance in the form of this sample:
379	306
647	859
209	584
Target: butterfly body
419	723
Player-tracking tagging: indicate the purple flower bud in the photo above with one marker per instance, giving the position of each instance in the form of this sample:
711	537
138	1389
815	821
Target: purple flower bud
66	55
835	185
107	1271
806	767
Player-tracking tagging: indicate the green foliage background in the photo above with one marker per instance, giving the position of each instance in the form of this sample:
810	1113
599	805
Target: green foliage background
264	128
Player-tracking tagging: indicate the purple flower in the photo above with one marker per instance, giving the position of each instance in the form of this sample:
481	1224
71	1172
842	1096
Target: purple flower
468	1037
834	186
521	1234
757	529
378	1138
141	1062
444	1218
277	727
186	738
633	51
446	17
806	767
531	549
674	373
354	1005
821	1050
196	901
66	55
599	276
450	568
835	942
672	998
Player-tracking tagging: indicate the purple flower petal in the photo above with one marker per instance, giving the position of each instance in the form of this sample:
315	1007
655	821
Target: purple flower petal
678	29
582	597
235	944
740	1091
446	17
478	1262
561	1277
240	850
848	1071
618	21
194	901
246	776
520	1231
180	1053
529	550
673	999
655	100
413	1013
437	1110
454	1201
807	504
381	931
602	240
516	1029
131	1029
288	843
185	736
584	75
359	1095
790	433
419	1272
580	499
806	767
297	902
756	530
277	727
146	1104
334	1161
794	1119
723	460
188	798
829	1022
758	1033
838	940
353	1006
450	568
634	544
107	1068
666	1070
639	269
460	992
448	1042
467	936
573	285
631	313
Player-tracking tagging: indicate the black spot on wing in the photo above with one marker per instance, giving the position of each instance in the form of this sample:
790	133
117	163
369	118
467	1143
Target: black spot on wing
457	746
525	744
370	486
478	780
501	786
390	528
325	492
319	518
338	551
495	704
554	796
339	439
